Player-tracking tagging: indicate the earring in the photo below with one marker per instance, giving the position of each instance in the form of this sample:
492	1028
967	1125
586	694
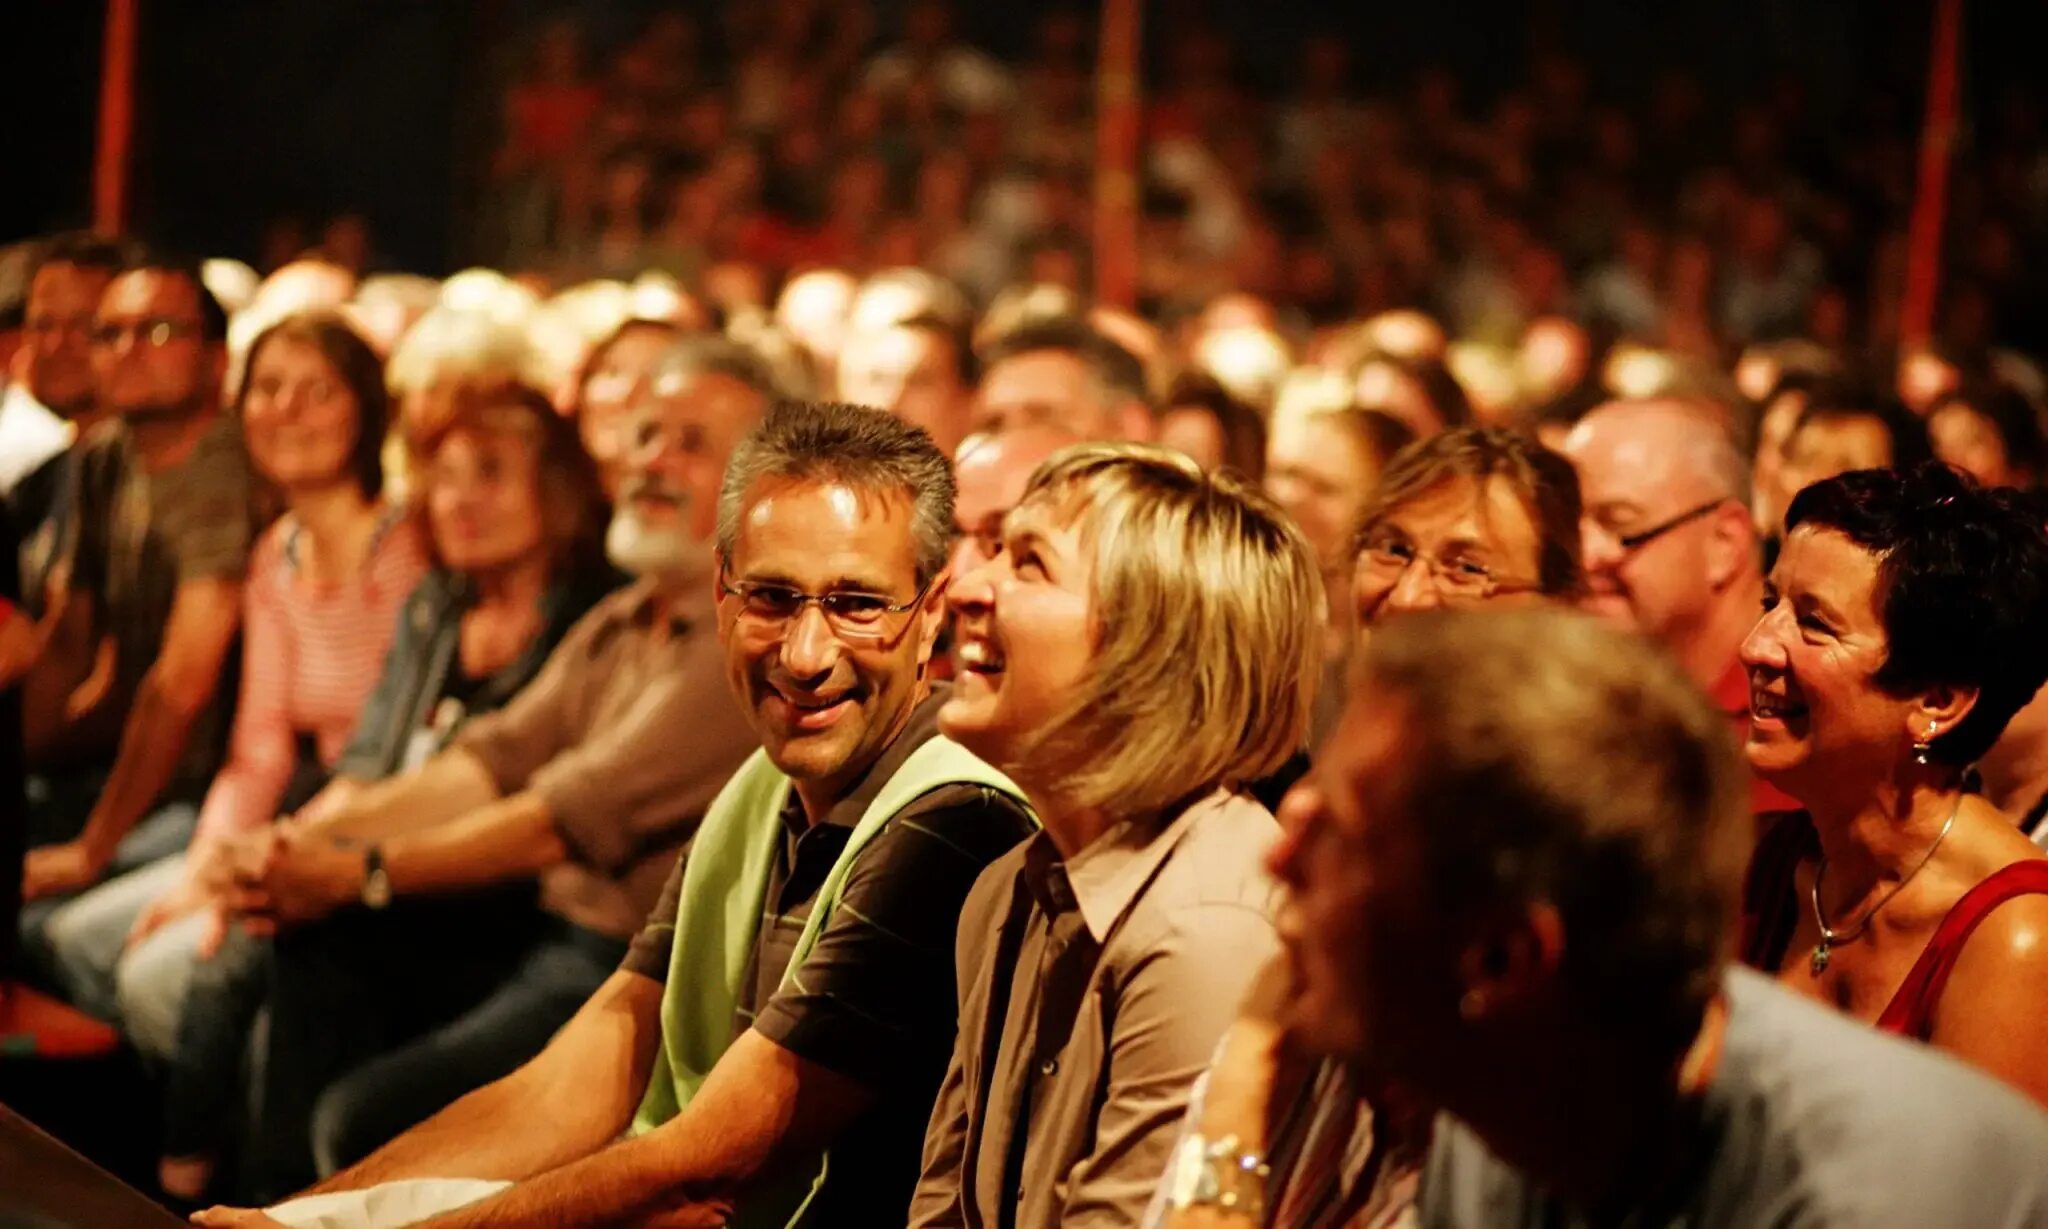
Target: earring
1924	749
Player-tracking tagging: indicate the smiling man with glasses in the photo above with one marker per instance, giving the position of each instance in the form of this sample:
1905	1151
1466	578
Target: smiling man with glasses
792	992
1670	548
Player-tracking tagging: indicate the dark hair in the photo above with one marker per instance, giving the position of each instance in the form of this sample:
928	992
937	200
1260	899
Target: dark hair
360	370
572	503
1116	370
1446	396
1549	757
85	250
1243	431
2011	415
1544	482
213	319
1836	400
1962	587
952	339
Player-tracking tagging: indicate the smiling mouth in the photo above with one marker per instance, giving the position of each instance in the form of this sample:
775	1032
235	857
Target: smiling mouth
1769	707
979	657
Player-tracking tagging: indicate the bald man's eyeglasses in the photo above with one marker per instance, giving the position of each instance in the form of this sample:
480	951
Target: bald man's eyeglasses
1643	537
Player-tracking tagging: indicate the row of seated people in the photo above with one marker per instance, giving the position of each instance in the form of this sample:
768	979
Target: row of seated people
1002	925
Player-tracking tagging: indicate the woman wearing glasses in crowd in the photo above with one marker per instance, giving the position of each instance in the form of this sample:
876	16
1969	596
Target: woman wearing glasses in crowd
1901	632
1471	517
1146	644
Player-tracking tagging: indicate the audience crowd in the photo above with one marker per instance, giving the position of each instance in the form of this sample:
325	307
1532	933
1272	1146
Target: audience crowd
1504	693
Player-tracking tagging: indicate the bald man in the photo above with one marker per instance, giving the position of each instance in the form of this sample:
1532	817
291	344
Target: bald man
1669	545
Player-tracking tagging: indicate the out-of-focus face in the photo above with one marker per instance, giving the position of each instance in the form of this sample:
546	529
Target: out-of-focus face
1385	387
1322	475
911	374
813	311
299	418
1372	969
1638	474
613	387
55	360
1767	473
674	454
1045	386
148	357
1832	444
1969	441
989	478
826	692
1193	431
483	500
1024	638
1924	379
1818	720
1455	544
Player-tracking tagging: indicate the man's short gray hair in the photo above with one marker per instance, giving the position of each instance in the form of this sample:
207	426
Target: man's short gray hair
850	444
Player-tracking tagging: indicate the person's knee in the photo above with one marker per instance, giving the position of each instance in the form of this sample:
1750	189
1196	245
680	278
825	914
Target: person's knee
150	985
79	946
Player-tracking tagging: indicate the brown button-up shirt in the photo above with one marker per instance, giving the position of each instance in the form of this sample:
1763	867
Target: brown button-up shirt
1093	992
627	734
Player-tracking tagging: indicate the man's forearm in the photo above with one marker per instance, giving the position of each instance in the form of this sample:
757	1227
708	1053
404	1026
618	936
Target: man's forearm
577	1096
451	784
761	1107
510	839
152	742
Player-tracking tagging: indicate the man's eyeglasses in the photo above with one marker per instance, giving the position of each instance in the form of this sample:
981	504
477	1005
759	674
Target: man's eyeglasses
155	334
853	616
1385	557
1643	537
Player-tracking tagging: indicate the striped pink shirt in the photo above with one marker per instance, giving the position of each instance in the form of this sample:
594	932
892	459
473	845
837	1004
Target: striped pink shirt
311	654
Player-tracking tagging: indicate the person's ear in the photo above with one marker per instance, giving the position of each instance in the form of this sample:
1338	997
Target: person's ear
931	614
1937	711
1510	961
1732	547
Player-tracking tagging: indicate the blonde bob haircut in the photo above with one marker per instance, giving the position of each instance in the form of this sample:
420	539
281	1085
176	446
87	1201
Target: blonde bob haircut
1208	613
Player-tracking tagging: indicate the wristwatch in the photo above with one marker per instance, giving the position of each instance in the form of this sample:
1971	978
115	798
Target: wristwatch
1219	1174
376	883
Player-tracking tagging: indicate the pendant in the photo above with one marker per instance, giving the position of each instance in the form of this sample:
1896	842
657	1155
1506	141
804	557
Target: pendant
1819	960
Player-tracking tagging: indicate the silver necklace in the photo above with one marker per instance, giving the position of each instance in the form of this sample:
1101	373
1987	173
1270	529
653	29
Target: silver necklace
1829	936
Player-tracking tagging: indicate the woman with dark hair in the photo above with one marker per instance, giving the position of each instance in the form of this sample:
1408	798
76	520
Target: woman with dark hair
515	517
1418	390
1901	632
322	594
1203	421
1991	433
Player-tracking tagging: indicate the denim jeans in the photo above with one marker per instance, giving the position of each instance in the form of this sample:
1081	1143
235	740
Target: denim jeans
76	942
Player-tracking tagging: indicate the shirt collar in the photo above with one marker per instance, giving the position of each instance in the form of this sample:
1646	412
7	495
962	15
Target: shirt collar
922	726
1105	879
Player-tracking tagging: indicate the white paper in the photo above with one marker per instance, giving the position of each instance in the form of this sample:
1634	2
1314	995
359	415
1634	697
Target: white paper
393	1205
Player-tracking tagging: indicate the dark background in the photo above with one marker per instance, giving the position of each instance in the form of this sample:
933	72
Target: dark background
248	109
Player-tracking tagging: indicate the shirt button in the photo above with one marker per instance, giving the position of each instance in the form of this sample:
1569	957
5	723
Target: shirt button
1049	1067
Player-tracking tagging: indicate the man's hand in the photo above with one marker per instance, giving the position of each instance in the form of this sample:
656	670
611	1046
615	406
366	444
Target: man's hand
306	877
55	869
234	1218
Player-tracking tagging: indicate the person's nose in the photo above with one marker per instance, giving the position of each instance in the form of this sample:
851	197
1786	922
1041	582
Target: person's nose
809	646
1414	589
1764	647
972	590
1599	549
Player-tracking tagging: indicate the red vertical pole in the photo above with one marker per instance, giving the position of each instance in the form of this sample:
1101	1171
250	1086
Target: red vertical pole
117	114
1930	193
1117	122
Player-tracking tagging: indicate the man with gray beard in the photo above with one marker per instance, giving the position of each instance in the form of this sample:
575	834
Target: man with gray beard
437	973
